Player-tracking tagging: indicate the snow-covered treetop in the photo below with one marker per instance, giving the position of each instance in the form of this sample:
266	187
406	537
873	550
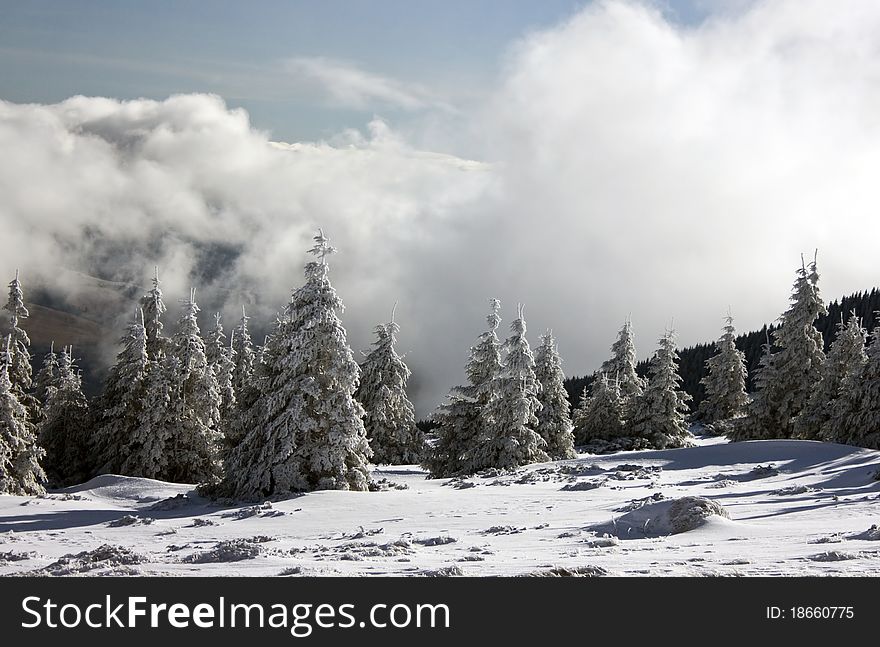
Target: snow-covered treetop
485	360
190	347
622	364
190	311
153	308
15	303
520	361
215	342
494	318
322	247
242	351
806	302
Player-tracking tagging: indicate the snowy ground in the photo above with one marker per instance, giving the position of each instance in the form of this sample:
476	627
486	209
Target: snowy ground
795	508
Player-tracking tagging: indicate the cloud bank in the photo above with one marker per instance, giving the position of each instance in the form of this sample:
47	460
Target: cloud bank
627	166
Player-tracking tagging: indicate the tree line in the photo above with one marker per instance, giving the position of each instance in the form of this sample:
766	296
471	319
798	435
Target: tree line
298	413
692	359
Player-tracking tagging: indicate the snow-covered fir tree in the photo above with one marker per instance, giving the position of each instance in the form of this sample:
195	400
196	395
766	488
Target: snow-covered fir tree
194	408
855	415
20	471
788	381
599	415
725	380
149	452
622	364
554	416
845	361
46	376
260	353
154	307
220	356
509	437
389	419
121	405
306	428
243	355
762	409
659	414
243	385
20	369
461	419
64	433
134	424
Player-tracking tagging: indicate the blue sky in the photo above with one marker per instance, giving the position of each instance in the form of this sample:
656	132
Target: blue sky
50	50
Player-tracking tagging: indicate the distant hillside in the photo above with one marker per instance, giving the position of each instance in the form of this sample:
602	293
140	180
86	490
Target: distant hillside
88	327
692	365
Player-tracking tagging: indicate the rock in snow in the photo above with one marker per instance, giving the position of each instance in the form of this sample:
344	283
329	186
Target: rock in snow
669	517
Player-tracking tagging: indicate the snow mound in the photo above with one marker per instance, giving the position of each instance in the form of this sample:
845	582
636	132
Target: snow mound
575	571
130	520
384	485
664	517
128	488
502	530
172	503
580	486
440	540
764	471
793	490
10	556
453	570
832	556
604	541
264	509
233	550
106	559
356	551
871	534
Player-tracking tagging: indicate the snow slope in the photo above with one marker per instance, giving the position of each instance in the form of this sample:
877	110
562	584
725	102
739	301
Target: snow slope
794	508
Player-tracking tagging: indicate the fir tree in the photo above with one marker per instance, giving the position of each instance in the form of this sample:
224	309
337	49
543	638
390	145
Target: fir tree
221	359
554	418
20	369
600	413
460	420
660	413
796	367
845	361
509	438
46	376
763	411
194	408
243	355
622	365
154	307
260	353
65	430
20	471
306	428
855	418
389	420
243	384
725	381
149	451
123	413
